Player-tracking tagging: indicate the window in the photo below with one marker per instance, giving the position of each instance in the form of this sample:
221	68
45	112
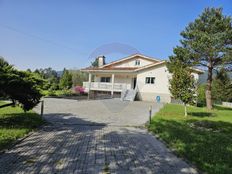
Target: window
105	79
137	62
150	80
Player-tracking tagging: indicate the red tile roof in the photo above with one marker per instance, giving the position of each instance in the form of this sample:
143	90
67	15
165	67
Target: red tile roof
111	68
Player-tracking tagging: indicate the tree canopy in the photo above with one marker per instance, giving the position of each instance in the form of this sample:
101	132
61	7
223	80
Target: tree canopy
206	42
95	63
183	85
78	77
66	80
222	87
20	87
50	76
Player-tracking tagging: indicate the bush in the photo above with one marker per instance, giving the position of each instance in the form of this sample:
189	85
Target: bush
51	93
79	90
67	92
201	100
21	87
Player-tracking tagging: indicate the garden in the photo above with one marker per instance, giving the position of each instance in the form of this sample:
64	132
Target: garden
203	137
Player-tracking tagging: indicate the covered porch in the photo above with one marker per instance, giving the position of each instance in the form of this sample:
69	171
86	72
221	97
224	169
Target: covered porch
110	82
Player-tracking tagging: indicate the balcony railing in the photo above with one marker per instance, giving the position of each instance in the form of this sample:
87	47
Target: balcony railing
101	86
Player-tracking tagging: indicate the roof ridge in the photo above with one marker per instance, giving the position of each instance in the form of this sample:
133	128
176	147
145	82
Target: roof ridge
130	57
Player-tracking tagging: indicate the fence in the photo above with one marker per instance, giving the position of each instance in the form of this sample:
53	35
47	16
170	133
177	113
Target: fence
227	104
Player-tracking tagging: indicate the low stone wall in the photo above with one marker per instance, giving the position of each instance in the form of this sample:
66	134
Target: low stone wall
227	104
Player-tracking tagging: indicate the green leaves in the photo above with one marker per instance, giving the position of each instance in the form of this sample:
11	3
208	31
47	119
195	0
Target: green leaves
183	85
222	87
19	86
66	80
206	42
208	38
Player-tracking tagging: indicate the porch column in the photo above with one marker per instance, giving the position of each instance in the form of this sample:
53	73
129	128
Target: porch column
90	76
112	88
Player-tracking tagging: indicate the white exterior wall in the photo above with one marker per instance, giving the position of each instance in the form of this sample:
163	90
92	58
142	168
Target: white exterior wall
123	80
149	92
131	63
196	76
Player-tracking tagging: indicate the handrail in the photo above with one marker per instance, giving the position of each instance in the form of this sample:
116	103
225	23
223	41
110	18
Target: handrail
106	86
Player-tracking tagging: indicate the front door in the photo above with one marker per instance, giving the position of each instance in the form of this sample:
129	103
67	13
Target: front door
134	82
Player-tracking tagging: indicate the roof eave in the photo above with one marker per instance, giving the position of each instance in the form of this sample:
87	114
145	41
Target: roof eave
197	70
107	71
151	65
129	57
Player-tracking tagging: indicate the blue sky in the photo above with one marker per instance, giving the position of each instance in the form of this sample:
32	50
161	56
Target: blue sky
58	34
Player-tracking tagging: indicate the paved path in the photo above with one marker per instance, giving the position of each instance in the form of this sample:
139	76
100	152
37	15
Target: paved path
68	146
109	111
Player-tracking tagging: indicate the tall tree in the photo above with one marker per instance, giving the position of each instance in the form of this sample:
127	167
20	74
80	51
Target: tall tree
206	42
66	80
78	77
95	63
183	86
48	73
50	76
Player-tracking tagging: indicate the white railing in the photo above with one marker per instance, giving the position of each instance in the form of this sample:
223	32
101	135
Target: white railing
106	86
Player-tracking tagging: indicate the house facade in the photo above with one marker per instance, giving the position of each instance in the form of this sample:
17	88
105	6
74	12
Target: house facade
137	76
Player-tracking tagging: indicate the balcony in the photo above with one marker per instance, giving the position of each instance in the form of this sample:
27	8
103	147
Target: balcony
101	86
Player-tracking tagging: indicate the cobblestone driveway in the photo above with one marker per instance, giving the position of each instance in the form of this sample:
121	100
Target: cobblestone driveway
63	147
108	111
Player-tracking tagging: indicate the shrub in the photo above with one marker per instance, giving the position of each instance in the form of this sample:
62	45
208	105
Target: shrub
201	100
79	90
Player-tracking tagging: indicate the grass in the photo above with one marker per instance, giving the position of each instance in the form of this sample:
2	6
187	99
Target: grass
14	124
203	137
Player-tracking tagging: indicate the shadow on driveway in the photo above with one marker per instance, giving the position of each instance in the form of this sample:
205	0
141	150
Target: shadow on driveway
89	147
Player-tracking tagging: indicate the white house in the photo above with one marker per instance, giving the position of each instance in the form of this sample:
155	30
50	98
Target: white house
136	75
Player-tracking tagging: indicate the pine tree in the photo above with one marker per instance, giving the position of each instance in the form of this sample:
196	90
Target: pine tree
206	42
95	63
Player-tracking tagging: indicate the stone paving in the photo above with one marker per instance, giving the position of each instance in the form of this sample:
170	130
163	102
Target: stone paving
63	147
109	111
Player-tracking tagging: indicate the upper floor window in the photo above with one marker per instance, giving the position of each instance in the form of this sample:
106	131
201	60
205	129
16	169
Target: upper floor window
105	79
137	62
150	80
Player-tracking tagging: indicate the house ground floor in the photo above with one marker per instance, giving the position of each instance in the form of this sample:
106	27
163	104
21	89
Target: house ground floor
112	85
140	96
134	77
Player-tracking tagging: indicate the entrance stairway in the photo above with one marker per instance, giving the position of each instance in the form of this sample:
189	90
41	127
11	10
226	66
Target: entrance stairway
128	94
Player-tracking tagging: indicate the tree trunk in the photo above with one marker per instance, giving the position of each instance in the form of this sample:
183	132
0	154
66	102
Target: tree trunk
185	110
6	105
208	92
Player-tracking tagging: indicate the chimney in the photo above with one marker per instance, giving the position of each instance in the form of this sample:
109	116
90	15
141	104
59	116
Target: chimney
101	60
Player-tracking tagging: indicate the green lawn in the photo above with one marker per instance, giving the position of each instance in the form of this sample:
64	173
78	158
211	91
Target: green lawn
204	138
14	123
